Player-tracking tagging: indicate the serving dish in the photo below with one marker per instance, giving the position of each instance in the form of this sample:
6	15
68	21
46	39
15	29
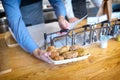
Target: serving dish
69	60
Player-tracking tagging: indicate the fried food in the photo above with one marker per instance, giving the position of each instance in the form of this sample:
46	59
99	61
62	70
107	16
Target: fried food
74	47
66	52
59	58
54	54
63	49
81	52
70	54
51	49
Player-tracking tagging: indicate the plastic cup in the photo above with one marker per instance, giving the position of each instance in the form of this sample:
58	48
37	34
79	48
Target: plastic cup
104	44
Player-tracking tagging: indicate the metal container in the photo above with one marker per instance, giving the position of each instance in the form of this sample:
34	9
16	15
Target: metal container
3	25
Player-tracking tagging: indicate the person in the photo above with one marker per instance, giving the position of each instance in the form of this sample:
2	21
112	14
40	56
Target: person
79	8
69	11
75	9
21	13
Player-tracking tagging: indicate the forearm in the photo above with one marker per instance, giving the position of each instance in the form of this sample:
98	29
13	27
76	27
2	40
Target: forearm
58	7
17	25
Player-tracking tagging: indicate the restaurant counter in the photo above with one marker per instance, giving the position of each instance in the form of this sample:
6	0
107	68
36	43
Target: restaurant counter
103	64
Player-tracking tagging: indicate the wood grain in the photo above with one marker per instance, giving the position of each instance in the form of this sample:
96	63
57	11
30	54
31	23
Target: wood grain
103	64
4	61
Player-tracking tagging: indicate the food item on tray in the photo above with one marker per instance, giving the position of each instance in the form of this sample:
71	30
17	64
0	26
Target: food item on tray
66	52
51	49
81	52
74	47
70	54
63	49
59	58
54	54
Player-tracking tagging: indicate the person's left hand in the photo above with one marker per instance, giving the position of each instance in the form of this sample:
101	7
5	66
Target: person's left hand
63	23
42	55
71	20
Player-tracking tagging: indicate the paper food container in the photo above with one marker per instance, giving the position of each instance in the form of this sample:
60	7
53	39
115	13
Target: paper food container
70	60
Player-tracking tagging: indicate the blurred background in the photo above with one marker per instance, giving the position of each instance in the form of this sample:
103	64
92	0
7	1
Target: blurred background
49	13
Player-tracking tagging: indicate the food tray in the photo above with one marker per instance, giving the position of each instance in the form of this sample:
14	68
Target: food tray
70	60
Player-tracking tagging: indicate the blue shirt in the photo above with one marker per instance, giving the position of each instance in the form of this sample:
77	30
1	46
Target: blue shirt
17	25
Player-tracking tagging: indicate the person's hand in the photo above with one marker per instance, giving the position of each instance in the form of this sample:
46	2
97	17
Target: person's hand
71	20
63	23
42	55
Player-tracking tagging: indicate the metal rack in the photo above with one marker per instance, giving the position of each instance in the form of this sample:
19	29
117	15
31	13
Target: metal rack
83	35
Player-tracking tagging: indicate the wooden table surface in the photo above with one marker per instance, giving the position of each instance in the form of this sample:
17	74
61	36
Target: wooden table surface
103	64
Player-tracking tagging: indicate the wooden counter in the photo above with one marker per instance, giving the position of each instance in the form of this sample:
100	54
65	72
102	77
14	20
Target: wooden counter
103	64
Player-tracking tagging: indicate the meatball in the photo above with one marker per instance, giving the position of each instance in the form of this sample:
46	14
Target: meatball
81	52
51	49
59	58
70	54
63	49
54	54
74	47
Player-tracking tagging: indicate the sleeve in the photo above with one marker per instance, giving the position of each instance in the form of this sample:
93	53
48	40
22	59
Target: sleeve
69	8
17	25
59	7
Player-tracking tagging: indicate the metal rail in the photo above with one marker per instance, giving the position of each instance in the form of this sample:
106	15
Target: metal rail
86	34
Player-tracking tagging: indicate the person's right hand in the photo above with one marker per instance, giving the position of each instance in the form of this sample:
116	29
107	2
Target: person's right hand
63	23
42	55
